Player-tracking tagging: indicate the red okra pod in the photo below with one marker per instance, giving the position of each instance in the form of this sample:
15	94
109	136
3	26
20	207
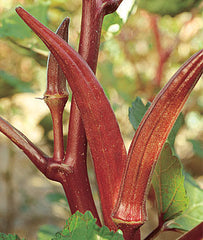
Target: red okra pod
92	18
102	130
149	140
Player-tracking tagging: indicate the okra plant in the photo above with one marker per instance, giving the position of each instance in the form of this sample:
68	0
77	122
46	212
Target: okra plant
123	177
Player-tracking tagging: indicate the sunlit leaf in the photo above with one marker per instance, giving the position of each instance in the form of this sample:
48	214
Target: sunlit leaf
168	184
194	214
84	227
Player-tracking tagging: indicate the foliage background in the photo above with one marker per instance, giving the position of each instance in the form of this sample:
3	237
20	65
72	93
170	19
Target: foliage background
128	63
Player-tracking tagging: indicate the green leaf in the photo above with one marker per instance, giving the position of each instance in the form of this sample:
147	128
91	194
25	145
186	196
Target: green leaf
137	112
13	26
197	147
47	232
83	227
194	214
168	184
4	236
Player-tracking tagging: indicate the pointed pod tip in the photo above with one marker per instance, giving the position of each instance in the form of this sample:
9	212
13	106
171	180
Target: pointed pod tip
66	20
18	9
21	11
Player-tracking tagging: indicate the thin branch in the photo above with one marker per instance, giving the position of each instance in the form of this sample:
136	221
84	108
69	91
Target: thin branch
38	158
163	54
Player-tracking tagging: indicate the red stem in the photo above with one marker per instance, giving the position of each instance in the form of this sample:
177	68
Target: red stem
92	18
77	187
163	54
39	159
56	106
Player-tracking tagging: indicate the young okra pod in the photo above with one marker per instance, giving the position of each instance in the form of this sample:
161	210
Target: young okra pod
149	140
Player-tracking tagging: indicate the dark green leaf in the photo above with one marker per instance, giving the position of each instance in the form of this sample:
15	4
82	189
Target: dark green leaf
47	232
197	147
168	184
194	214
84	227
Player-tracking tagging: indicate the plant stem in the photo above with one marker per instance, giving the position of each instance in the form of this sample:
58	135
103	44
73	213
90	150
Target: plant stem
76	150
34	154
77	186
56	106
163	54
129	232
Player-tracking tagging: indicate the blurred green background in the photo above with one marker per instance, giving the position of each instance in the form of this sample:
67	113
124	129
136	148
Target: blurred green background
139	53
